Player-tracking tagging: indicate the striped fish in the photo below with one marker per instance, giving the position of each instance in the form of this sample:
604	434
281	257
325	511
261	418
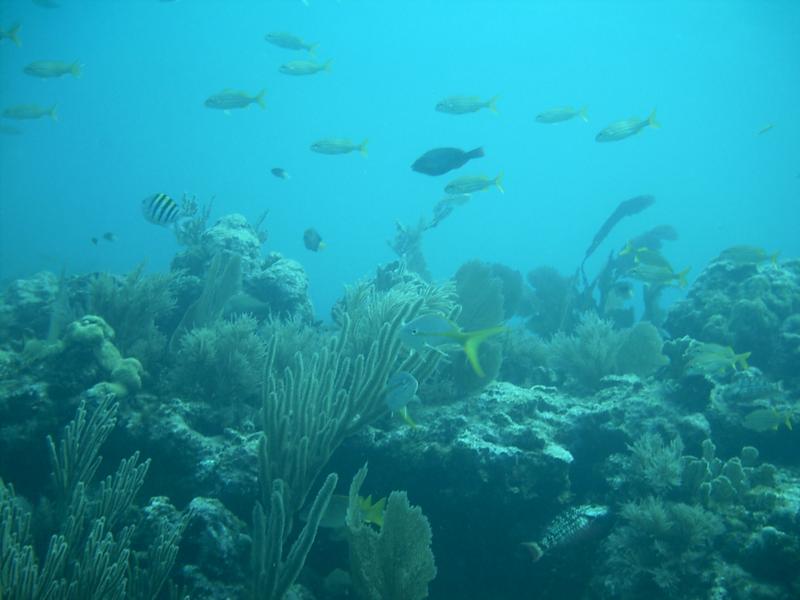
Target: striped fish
160	209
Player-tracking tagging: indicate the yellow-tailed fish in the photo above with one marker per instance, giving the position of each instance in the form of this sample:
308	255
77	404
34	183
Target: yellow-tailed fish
474	183
767	419
461	105
619	130
560	114
339	146
52	68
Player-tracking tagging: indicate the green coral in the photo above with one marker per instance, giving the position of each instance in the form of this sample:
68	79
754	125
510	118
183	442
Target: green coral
657	465
395	563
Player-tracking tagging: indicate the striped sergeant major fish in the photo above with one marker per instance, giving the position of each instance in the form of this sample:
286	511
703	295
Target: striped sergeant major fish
160	209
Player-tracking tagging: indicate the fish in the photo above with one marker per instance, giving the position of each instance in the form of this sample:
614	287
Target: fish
109	236
474	183
313	240
619	130
9	130
401	390
280	173
290	41
658	274
747	255
704	358
446	205
30	111
560	114
765	129
94	240
573	525
461	105
432	331
12	33
304	67
626	208
651	239
160	209
228	99
336	513
338	146
441	160
651	258
53	68
767	419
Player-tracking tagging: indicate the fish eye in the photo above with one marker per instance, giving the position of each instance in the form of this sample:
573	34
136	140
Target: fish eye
415	331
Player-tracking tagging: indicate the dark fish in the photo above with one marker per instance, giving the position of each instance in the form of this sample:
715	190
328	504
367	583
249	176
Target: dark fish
625	209
441	160
160	209
313	240
653	238
109	237
280	173
94	241
572	525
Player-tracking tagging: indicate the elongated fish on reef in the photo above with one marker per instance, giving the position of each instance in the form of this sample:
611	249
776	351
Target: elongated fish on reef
30	111
748	255
441	160
289	41
571	526
560	114
53	68
474	183
228	99
705	358
160	209
12	33
767	419
304	67
462	105
338	146
619	130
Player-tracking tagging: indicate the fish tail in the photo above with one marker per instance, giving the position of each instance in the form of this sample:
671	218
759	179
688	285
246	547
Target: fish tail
312	49
773	258
52	113
327	65
492	103
260	99
651	120
407	418
534	550
583	114
682	281
741	360
477	153
75	69
13	34
787	420
322	246
363	148
473	341
498	182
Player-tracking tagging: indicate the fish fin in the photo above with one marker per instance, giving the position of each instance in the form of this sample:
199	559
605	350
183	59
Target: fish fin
583	114
682	281
476	153
498	181
312	48
534	550
492	104
363	148
327	65
773	258
651	120
407	418
260	99
741	360
52	112
75	69
627	250
788	421
13	34
473	340
322	246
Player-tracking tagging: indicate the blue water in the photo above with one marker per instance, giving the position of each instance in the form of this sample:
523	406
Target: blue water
135	124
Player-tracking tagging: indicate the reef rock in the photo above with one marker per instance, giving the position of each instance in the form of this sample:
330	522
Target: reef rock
234	234
282	283
26	302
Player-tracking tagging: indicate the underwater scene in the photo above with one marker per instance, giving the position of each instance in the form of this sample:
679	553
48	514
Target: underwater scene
381	300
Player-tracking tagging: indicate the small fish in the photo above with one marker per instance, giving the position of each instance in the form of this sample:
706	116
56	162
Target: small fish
109	236
767	419
432	331
280	173
52	68
441	160
228	99
765	129
658	275
304	67
713	359
620	130
338	146
12	33
474	183
461	105
94	240
160	209
30	111
313	240
290	41
336	513
748	255
571	526
560	114
9	130
401	389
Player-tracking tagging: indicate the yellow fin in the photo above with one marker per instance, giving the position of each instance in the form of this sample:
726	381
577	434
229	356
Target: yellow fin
75	69
363	148
13	34
327	65
583	114
682	281
498	182
473	339
492	104
52	113
741	360
651	120
788	421
312	48
407	418
260	99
